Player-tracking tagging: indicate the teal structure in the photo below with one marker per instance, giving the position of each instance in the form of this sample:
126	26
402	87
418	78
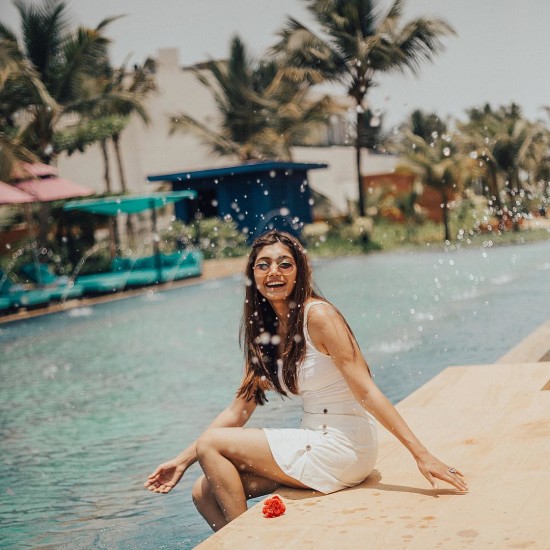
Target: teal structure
59	288
257	195
13	296
135	272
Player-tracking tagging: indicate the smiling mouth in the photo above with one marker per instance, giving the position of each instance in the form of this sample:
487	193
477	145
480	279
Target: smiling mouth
275	284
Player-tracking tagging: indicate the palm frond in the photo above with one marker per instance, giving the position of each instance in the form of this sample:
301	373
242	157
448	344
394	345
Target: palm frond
6	33
12	152
217	142
85	55
301	48
10	60
102	25
43	27
23	77
420	40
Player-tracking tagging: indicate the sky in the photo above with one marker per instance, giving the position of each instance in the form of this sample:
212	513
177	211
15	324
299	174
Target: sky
501	52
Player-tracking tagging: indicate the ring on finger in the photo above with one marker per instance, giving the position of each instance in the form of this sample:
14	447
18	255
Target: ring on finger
452	470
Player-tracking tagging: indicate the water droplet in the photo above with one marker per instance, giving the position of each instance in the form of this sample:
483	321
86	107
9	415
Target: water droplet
264	338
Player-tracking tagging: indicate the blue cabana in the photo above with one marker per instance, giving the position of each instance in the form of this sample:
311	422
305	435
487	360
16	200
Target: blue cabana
257	195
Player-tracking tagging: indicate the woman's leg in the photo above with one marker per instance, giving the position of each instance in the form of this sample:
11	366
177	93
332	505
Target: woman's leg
226	453
207	505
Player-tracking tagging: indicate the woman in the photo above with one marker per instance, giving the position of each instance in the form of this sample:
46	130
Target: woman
294	342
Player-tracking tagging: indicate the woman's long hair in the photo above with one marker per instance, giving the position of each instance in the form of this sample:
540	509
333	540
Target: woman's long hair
259	323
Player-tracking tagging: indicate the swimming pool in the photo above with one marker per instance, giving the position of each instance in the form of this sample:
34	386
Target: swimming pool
94	398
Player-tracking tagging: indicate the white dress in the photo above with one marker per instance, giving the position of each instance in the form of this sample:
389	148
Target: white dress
336	445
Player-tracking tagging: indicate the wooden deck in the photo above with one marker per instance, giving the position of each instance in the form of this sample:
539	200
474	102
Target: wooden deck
490	421
536	347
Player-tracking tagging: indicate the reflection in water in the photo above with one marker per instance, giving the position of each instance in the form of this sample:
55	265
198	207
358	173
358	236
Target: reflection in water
92	399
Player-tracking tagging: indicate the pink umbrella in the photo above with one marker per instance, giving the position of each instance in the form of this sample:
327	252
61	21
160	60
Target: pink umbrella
11	195
53	189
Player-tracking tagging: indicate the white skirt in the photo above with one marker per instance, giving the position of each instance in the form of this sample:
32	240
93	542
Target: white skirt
328	452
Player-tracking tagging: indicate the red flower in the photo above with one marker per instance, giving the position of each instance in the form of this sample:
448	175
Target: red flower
274	507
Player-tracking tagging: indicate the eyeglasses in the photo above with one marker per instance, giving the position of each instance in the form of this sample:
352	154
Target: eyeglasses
283	266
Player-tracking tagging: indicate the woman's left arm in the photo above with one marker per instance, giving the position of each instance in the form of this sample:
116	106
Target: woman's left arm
331	336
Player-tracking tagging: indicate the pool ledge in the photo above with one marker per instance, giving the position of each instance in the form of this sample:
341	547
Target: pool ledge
491	421
212	269
536	347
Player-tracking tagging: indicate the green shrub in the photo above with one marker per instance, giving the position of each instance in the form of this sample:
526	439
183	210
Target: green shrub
389	235
339	237
215	237
469	212
314	234
96	260
359	229
177	237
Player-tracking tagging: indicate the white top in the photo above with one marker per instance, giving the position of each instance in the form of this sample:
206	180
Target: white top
320	382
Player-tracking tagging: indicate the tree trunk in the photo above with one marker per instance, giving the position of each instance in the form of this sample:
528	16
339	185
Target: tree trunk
44	218
358	161
130	230
106	171
114	244
494	191
121	175
515	208
445	213
114	241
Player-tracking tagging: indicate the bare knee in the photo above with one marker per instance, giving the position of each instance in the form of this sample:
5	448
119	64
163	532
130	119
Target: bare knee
206	444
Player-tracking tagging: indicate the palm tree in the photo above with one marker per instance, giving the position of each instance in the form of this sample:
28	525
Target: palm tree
65	61
436	158
261	113
12	151
122	96
512	149
354	45
428	126
111	99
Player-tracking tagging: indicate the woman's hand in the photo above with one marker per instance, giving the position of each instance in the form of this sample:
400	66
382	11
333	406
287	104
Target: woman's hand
165	477
432	468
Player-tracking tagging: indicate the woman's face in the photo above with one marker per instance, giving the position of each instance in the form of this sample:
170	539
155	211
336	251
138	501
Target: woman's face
275	272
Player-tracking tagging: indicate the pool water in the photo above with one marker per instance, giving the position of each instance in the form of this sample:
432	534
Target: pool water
92	399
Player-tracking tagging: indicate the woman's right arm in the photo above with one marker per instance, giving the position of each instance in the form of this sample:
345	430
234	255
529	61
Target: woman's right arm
167	475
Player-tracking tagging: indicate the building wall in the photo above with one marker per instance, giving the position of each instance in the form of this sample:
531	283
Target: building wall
339	181
149	149
401	183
